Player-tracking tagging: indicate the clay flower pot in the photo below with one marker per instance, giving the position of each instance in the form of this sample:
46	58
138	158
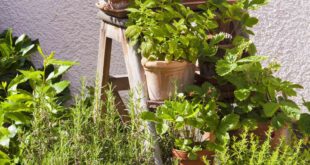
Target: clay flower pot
276	135
262	129
119	4
162	77
184	160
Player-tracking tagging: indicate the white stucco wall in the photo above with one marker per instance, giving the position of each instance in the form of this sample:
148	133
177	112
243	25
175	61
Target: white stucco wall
71	29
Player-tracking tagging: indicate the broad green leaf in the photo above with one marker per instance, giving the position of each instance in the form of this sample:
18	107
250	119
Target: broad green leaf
162	128
217	38
242	94
32	75
229	122
27	49
60	86
252	59
20	39
132	31
279	120
149	116
57	72
249	123
18	117
223	67
251	21
270	108
304	123
290	109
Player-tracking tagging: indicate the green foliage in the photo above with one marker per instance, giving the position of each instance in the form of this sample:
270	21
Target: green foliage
167	30
247	149
20	106
87	135
14	53
259	95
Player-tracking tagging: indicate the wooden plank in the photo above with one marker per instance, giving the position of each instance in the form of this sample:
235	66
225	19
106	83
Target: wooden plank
113	32
121	107
120	82
138	85
104	56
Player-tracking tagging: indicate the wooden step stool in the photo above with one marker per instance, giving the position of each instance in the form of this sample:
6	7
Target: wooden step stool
114	28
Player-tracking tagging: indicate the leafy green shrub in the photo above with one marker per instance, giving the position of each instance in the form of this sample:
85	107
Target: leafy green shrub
20	106
14	53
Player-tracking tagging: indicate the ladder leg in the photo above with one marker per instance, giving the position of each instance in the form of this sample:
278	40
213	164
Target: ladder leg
104	57
137	80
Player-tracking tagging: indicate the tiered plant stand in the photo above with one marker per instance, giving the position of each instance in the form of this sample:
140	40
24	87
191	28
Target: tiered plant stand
114	28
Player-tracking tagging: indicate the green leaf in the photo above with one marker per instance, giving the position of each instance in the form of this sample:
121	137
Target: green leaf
217	38
223	67
60	62
290	109
162	128
32	75
4	48
279	120
304	123
132	31
242	94
306	104
60	86
229	122
57	72
149	116
252	59
270	108
250	21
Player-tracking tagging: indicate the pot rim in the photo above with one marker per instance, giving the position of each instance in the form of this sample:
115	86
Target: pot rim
165	64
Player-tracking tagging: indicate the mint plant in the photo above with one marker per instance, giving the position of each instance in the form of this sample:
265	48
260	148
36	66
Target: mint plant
167	30
259	95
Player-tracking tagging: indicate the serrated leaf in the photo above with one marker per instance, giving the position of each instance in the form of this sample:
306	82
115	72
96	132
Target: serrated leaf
242	94
290	109
132	31
57	72
217	38
270	108
60	86
223	67
252	59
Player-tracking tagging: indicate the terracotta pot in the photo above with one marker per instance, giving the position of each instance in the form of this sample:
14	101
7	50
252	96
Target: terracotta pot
162	77
184	160
119	4
261	131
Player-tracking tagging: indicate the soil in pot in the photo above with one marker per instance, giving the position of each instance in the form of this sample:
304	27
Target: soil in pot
184	160
164	78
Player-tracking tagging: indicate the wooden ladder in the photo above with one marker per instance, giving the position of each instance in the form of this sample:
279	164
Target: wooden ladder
114	28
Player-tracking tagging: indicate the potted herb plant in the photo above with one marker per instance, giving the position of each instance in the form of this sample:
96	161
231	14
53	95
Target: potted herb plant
170	38
195	125
261	99
178	120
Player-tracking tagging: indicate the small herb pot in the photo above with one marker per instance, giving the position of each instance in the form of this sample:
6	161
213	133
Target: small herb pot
164	77
182	156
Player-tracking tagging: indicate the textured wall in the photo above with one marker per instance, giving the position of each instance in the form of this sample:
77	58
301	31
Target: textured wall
71	29
283	34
